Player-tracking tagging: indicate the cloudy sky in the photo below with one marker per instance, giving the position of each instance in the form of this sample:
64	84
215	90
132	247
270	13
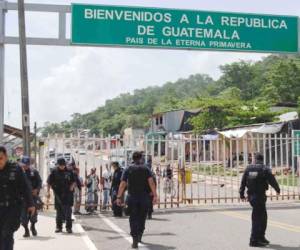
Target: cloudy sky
65	80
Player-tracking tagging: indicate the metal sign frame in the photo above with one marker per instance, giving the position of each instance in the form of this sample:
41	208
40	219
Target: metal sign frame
61	40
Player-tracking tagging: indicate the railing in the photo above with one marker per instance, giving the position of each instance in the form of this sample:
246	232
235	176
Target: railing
204	171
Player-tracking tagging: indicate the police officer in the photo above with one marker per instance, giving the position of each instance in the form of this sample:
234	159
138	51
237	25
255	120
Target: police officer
14	187
137	178
151	209
116	180
257	178
35	180
62	182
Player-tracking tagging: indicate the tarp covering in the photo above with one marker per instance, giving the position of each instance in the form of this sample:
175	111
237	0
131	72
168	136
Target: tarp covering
261	129
268	129
289	116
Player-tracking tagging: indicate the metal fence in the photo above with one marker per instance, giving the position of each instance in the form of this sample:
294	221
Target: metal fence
204	170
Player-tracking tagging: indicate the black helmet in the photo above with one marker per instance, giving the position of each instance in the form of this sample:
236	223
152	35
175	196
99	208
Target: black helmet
61	162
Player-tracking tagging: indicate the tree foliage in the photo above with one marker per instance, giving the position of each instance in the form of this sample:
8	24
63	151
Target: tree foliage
242	95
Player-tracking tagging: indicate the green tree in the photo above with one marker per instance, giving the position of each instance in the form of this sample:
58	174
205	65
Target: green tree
239	75
284	81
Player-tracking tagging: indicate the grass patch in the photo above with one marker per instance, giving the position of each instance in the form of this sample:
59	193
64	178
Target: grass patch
289	180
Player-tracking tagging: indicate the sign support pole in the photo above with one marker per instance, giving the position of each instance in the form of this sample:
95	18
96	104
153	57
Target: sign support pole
2	69
24	78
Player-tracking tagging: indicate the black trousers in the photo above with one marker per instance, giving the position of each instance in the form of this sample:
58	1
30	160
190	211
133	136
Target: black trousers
138	206
150	210
9	223
63	214
26	217
259	217
117	210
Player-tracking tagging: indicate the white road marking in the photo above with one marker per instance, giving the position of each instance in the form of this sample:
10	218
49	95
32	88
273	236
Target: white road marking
89	243
85	238
120	231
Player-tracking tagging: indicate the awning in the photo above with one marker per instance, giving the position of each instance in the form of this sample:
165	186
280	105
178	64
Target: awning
261	129
268	129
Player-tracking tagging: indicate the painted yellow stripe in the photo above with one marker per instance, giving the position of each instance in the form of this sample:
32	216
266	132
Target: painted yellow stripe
284	226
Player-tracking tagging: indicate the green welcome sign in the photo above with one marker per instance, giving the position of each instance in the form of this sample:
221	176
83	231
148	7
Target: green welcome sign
100	25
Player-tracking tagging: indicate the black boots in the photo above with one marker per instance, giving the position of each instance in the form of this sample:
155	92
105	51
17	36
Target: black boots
33	230
27	233
58	230
264	240
135	242
257	244
139	238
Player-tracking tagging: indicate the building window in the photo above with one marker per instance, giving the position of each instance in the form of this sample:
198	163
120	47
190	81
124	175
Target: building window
161	120
156	121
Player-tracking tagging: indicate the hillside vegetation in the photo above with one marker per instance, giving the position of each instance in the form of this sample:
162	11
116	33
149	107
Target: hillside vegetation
242	95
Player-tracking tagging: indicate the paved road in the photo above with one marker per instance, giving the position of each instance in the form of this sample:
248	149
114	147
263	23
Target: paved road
205	228
48	240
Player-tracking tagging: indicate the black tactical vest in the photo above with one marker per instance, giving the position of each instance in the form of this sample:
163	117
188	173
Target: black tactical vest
32	177
257	180
62	180
9	186
138	180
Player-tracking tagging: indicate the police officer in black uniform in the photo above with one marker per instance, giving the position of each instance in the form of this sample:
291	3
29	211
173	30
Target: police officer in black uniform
257	178
14	189
149	165
116	181
137	178
35	180
62	181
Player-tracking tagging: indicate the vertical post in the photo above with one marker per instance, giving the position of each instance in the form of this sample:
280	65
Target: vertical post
35	145
24	78
2	65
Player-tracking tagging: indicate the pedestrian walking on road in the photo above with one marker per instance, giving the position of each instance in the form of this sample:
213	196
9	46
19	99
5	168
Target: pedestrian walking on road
151	207
62	181
116	180
257	178
35	180
137	178
14	190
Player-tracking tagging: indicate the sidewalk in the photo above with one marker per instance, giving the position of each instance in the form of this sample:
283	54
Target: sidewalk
48	240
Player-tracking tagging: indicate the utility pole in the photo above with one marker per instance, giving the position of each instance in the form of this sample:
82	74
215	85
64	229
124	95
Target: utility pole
35	146
24	78
2	56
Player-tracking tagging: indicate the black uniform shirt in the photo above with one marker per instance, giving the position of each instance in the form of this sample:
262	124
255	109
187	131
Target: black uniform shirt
116	180
34	178
137	177
257	179
61	181
14	186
